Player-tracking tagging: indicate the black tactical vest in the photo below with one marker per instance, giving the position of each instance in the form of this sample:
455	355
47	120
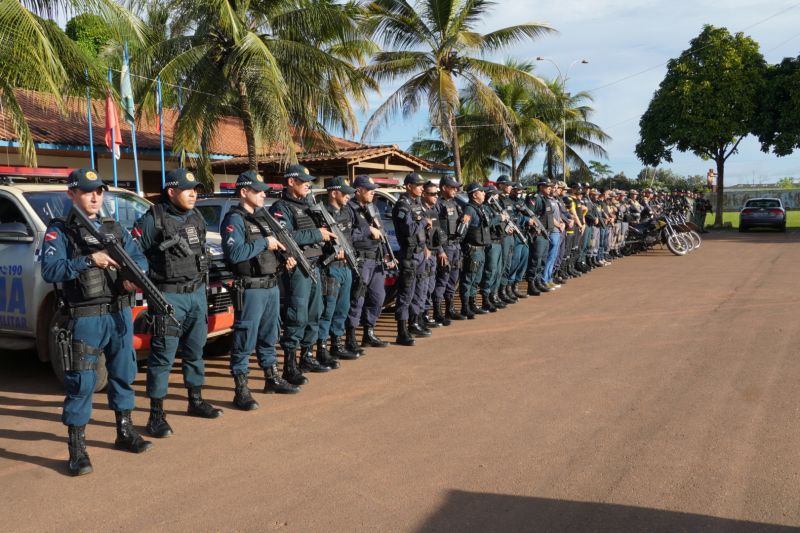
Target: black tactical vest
450	216
479	235
95	285
361	222
547	216
263	264
186	260
417	214
302	220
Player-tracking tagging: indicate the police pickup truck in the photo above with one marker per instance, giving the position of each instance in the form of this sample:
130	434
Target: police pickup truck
28	308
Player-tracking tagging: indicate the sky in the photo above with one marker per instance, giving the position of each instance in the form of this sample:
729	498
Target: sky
634	39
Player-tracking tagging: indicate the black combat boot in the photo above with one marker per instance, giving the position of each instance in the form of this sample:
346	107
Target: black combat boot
518	294
350	343
430	322
338	350
370	339
242	397
502	295
511	294
474	307
291	373
424	322
450	310
308	363
157	425
79	463
127	437
488	304
466	308
438	316
274	384
542	287
324	357
199	407
415	329
533	290
404	338
497	301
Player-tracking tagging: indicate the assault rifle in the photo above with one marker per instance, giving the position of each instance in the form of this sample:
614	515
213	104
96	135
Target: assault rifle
129	270
537	224
292	249
341	243
494	203
374	218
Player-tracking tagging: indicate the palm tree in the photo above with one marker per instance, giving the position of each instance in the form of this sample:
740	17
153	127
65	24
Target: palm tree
570	115
36	54
282	66
434	45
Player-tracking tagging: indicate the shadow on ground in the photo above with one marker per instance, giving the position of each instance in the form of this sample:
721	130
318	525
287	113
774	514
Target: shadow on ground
481	512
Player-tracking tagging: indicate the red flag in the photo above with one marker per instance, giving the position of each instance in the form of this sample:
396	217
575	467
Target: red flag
112	125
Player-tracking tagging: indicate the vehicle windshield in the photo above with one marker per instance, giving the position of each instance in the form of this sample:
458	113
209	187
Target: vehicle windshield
51	204
212	214
763	203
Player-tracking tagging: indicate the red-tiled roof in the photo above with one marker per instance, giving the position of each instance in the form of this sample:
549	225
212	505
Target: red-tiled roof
48	125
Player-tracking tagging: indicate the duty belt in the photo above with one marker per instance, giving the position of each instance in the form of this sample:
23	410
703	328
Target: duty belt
267	282
99	309
368	254
183	287
341	263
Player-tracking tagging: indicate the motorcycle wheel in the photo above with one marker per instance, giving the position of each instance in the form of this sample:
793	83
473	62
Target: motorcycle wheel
698	240
677	244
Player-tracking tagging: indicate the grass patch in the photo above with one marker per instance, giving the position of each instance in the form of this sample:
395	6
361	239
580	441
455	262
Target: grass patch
792	219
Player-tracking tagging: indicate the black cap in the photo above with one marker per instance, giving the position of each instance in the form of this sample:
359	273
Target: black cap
503	179
338	183
517	186
85	179
491	189
180	178
474	187
449	181
253	180
412	178
298	172
365	182
544	183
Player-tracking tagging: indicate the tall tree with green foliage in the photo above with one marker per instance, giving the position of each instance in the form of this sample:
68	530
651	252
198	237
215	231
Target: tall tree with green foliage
706	103
90	32
433	46
777	123
36	54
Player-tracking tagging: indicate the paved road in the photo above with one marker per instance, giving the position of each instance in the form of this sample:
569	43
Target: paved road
658	394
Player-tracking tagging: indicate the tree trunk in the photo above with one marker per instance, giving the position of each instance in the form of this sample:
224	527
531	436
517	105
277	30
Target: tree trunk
550	164
249	131
720	199
455	147
513	164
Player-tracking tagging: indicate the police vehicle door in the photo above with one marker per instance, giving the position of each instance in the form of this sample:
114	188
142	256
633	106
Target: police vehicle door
17	271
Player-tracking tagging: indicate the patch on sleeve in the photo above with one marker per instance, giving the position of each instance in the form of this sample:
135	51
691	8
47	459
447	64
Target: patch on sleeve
51	236
277	214
136	232
50	251
229	228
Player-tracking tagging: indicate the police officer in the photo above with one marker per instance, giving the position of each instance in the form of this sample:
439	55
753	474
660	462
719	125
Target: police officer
98	305
505	185
410	226
337	280
541	207
435	237
303	294
493	256
252	253
474	249
172	235
449	213
369	294
519	256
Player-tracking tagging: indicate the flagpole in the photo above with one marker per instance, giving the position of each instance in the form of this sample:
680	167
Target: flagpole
89	114
180	112
133	135
161	129
113	134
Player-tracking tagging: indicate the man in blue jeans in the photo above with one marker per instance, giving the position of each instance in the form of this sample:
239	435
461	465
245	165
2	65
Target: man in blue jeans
554	238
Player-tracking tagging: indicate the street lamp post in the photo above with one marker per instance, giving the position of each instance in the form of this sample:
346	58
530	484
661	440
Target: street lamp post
563	79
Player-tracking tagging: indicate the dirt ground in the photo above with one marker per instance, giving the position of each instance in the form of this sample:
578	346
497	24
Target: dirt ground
657	394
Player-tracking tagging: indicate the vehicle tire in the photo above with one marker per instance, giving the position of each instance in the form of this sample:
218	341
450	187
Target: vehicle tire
782	229
58	318
742	229
677	244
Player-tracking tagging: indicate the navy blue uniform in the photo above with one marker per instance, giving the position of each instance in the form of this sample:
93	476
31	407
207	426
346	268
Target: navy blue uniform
179	271
369	294
338	282
257	320
449	214
474	247
110	332
304	298
409	224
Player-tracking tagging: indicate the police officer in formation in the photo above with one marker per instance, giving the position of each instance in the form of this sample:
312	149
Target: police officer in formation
410	226
172	235
374	259
477	238
254	256
438	258
303	291
98	304
453	231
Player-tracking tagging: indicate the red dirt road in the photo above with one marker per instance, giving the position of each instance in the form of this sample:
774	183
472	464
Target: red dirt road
658	394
